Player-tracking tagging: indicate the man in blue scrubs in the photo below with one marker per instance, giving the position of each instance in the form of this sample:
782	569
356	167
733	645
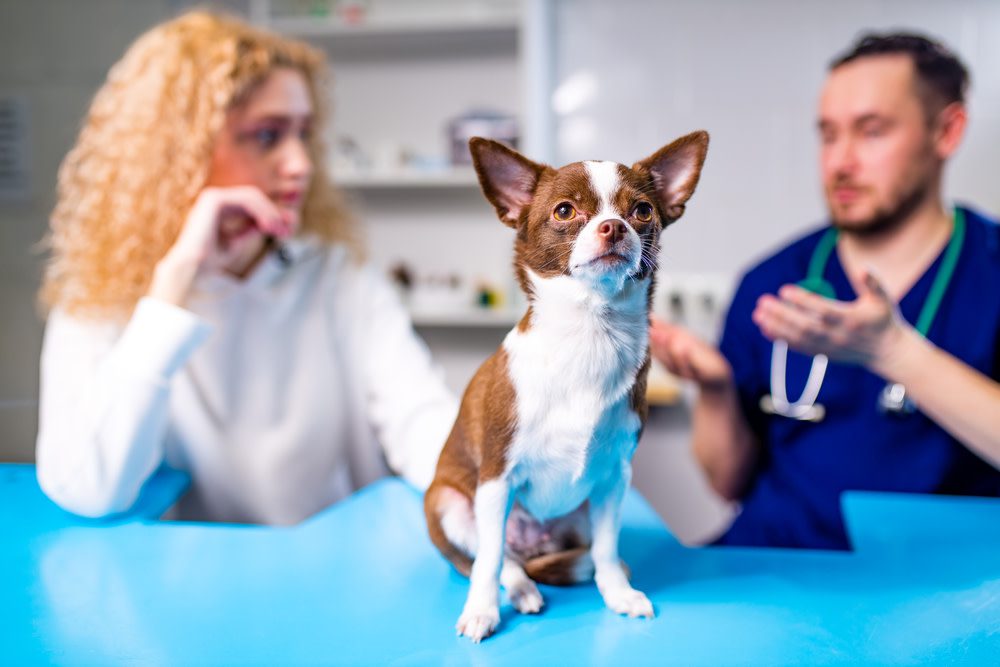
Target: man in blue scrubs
902	298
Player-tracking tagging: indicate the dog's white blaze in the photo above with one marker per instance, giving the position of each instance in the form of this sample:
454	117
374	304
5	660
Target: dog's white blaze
605	182
573	371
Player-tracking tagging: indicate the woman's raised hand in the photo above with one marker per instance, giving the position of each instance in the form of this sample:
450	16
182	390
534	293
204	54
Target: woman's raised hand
225	230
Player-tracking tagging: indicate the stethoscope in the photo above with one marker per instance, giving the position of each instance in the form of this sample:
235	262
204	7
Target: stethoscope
892	399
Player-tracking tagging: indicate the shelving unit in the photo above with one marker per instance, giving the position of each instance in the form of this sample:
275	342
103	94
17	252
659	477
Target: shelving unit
473	25
387	29
415	65
401	70
493	318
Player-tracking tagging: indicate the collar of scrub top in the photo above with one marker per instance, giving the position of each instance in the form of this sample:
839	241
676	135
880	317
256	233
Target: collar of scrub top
892	399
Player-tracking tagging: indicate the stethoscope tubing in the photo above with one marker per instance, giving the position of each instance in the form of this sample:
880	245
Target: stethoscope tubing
805	407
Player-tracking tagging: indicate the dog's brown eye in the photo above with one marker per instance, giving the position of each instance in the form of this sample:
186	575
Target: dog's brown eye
564	212
643	212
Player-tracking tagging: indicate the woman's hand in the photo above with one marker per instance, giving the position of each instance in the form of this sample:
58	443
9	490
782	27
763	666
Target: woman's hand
687	356
864	331
225	230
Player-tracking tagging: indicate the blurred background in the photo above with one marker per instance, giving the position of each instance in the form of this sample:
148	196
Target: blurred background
563	80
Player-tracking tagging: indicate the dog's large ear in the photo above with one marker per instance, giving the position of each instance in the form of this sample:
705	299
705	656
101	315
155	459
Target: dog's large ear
675	169
508	178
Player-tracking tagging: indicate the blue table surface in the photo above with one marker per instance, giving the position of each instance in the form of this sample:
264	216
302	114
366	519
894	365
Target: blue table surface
360	583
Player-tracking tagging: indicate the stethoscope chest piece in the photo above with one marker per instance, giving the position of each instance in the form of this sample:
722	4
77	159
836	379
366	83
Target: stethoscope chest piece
806	412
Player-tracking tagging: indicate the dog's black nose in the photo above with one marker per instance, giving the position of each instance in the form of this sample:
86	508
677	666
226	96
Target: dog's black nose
611	231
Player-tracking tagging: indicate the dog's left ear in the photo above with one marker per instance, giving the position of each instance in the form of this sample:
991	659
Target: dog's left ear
675	169
508	178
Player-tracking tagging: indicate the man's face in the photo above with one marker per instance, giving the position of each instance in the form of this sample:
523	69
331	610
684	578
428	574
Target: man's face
877	158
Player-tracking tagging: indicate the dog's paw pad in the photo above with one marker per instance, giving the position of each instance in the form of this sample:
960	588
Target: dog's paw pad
526	598
629	602
478	624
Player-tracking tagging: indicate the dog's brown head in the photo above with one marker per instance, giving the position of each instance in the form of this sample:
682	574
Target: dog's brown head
599	222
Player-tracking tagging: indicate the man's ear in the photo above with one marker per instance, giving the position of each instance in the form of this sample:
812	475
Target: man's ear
949	129
508	178
675	169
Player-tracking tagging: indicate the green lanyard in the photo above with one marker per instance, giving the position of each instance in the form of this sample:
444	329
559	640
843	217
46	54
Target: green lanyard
815	282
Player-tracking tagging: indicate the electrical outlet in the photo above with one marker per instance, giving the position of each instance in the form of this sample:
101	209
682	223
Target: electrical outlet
695	301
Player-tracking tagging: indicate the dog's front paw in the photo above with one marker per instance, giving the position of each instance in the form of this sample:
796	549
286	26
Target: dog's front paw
526	598
477	624
626	600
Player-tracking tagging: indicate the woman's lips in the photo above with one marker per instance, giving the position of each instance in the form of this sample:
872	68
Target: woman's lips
289	197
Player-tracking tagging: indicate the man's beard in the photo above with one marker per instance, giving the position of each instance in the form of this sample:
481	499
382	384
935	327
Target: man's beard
889	216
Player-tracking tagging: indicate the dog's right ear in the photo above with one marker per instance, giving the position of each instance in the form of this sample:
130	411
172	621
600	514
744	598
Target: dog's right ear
675	170
508	178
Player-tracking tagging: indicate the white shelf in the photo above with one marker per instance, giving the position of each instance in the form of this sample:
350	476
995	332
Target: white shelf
422	24
467	318
431	32
663	391
406	179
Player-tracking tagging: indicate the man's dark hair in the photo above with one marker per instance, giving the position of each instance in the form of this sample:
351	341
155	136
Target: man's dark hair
942	78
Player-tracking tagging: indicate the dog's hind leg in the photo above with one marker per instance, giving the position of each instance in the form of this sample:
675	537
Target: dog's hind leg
452	525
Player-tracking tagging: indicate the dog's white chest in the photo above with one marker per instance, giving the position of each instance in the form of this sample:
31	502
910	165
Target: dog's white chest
573	372
555	469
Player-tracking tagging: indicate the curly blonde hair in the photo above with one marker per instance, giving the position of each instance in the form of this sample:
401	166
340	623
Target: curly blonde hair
145	149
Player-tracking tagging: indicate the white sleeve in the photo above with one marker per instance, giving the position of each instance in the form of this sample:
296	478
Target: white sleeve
103	403
410	408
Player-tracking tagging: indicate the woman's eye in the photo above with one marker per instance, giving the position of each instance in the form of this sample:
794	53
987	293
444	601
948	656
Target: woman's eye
564	212
643	212
267	137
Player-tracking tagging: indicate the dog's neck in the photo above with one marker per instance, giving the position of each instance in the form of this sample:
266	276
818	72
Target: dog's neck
562	300
595	338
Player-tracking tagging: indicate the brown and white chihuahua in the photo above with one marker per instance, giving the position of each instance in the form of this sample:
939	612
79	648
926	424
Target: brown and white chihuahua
530	482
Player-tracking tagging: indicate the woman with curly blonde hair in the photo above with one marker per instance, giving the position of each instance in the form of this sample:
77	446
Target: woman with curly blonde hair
209	305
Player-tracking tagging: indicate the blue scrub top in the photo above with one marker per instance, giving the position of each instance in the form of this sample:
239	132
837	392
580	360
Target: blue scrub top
794	499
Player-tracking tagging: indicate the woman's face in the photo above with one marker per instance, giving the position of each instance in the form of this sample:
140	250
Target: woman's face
265	142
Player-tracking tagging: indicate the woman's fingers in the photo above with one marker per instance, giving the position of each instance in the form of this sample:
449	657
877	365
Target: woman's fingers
224	221
255	205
